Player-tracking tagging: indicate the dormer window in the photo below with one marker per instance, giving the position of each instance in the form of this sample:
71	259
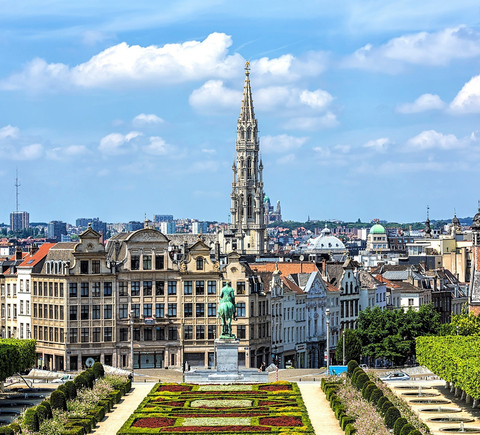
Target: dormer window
84	266
199	263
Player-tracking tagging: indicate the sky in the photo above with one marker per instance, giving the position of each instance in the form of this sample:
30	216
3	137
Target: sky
366	109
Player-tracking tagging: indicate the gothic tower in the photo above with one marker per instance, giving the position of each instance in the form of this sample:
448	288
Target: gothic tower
247	225
475	273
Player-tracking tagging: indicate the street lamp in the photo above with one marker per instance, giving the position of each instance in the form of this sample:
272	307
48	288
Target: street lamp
132	312
327	315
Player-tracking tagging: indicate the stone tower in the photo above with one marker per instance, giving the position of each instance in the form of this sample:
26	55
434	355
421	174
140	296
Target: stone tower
247	225
475	280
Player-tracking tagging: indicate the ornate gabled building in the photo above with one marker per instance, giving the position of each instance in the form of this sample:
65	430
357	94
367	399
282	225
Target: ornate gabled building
247	227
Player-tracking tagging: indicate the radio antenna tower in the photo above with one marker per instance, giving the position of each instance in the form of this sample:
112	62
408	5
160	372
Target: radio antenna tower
17	185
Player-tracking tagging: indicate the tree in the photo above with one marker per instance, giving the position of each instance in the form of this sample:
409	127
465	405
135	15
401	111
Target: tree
353	346
462	324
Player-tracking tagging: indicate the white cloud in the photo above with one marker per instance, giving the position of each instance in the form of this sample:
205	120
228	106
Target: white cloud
421	104
468	99
329	120
271	97
62	153
114	143
144	119
380	144
8	131
437	48
209	151
214	94
125	64
286	160
431	139
29	152
157	147
281	143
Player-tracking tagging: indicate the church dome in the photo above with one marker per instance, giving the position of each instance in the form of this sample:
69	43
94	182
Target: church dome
266	199
377	229
476	221
326	242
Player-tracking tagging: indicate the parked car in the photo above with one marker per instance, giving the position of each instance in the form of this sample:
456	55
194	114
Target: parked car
397	376
63	379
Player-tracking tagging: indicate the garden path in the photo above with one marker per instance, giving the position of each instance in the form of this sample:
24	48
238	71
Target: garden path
114	420
321	415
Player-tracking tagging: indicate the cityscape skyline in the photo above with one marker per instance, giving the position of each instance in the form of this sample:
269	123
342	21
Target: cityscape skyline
364	111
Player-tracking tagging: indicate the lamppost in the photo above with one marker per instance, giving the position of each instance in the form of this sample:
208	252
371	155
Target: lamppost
132	312
343	347
327	315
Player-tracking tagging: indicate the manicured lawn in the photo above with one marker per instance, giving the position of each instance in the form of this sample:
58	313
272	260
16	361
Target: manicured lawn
223	409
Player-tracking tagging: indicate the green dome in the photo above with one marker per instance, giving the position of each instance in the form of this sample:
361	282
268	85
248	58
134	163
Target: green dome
266	198
377	229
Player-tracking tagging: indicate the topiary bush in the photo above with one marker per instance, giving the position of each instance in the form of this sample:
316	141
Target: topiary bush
350	429
365	386
30	419
15	427
81	381
380	402
375	395
351	366
397	427
7	430
90	377
356	372
47	406
391	416
63	389
415	432
42	413
345	420
368	391
387	404
407	429
71	390
362	378
98	370
58	400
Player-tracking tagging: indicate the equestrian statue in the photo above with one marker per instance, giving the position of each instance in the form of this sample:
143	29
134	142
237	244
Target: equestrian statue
227	311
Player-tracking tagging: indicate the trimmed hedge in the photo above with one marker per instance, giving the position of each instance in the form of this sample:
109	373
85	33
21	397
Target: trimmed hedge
361	379
42	413
76	430
397	427
391	416
7	430
58	400
98	370
407	429
350	429
31	420
415	432
47	406
71	390
375	396
386	405
351	366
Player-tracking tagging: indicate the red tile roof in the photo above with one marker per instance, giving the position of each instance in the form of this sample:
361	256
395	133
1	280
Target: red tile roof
291	285
386	281
32	260
285	268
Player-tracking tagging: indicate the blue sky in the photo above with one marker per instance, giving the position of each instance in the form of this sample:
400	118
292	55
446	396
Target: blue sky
366	109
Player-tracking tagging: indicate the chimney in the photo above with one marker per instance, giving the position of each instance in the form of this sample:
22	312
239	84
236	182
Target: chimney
217	251
18	253
33	249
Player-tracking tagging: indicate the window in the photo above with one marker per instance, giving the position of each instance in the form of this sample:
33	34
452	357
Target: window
50	311
147	288
107	333
241	288
73	290
148	334
188	310
96	335
187	287
95	312
136	334
84	335
84	289
56	289
123	334
199	263
159	310
199	287
55	308
135	288
96	289
123	288
172	310
123	311
241	309
34	310
136	310
212	287
34	288
135	262
73	334
212	332
147	262
107	289
172	333
21	307
107	311
95	266
410	301
61	312
84	266
200	332
200	310
241	331
85	311
159	262
61	289
147	310
172	287
188	332
159	333
212	310
73	312
159	288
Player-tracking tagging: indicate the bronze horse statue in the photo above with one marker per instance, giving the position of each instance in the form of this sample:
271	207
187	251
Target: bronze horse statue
227	310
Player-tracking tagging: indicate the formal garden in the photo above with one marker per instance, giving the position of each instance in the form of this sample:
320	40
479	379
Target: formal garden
224	409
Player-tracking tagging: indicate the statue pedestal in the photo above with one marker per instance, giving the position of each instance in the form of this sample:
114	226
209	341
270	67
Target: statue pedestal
227	355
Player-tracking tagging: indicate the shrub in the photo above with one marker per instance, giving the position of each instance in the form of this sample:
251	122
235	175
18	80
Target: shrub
90	375
71	390
117	396
98	370
356	372
368	391
397	427
350	429
415	432
15	427
387	404
42	413
58	400
76	430
346	420
80	381
46	404
98	413
7	430
391	416
380	402
375	395
351	366
407	429
63	389
365	386
30	419
362	378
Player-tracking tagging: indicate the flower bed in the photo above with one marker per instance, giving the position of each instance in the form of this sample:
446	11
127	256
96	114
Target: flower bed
224	409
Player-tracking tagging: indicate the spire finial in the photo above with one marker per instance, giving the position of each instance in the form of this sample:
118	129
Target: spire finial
428	212
247	67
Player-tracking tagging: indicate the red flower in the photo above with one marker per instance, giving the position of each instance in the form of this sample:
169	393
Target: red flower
174	388
153	422
275	387
228	429
281	421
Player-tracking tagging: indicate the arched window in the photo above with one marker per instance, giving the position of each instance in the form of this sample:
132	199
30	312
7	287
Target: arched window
249	167
249	133
250	207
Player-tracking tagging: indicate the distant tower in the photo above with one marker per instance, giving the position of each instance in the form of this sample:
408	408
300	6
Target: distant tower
428	229
247	209
475	273
456	227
